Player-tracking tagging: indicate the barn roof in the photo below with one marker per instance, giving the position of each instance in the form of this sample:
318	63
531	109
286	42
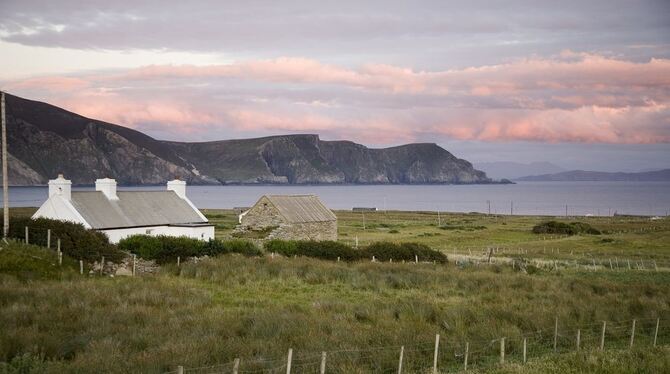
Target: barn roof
134	208
301	208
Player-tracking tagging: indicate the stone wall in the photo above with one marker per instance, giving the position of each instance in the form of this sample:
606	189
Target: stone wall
262	215
306	231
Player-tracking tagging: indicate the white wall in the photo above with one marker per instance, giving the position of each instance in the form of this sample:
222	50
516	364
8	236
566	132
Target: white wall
58	207
200	232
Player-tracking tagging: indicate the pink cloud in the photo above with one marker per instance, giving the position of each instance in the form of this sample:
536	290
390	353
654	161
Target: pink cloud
572	97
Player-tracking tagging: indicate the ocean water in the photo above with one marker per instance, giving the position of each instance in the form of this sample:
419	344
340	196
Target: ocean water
531	198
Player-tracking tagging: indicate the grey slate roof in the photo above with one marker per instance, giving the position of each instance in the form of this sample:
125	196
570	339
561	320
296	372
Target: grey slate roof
301	208
133	208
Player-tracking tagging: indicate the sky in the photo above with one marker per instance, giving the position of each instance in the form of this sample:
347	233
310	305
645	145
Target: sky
582	84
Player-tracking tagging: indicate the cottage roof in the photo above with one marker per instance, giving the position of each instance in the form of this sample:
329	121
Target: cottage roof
134	208
301	208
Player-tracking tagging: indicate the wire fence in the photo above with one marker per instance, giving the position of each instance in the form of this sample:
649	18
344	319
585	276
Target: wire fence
449	355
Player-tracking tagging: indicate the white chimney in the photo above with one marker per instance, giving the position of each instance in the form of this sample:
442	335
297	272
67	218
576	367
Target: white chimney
60	186
178	186
108	187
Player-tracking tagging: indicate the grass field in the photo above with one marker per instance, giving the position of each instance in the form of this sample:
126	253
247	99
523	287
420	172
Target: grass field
208	313
633	238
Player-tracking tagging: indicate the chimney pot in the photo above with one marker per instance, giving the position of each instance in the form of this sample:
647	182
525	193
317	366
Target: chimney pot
60	186
108	187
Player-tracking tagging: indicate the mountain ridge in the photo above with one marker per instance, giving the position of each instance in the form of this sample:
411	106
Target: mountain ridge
600	176
45	140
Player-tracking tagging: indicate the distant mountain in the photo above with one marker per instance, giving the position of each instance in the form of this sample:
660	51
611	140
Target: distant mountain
45	140
581	175
513	170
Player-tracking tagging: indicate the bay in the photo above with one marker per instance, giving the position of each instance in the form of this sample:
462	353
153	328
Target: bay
527	198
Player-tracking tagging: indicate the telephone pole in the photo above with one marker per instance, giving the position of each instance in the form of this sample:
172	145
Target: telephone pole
5	179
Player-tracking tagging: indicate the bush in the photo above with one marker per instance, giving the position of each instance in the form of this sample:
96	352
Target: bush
165	249
573	228
76	241
330	250
215	247
385	251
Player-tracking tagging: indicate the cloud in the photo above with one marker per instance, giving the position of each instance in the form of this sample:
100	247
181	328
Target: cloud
570	97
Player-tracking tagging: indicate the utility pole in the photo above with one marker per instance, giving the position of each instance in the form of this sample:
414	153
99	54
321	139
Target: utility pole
489	203
566	210
5	179
511	208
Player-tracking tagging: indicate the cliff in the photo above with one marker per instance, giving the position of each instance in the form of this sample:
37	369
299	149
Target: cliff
44	140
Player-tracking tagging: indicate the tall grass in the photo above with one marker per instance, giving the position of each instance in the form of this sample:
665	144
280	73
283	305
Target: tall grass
256	308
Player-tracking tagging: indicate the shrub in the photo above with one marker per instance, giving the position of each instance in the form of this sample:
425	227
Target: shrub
215	247
283	247
385	251
76	241
142	245
165	249
561	228
330	250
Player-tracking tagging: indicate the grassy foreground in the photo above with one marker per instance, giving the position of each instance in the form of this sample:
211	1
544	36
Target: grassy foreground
207	314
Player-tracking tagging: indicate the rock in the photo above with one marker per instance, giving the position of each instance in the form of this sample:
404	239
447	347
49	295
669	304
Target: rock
122	271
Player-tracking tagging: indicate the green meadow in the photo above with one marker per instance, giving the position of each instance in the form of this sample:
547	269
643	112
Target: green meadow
204	315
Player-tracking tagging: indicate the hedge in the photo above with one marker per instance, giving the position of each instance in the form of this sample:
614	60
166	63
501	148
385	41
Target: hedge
165	249
330	250
572	228
76	241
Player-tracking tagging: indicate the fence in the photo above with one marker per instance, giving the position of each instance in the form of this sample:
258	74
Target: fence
49	241
441	355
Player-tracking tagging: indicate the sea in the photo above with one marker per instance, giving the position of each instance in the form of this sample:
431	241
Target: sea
522	198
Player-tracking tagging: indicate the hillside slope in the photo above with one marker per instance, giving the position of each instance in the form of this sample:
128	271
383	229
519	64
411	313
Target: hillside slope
45	140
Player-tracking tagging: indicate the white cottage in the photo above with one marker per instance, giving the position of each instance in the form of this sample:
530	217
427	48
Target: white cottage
120	214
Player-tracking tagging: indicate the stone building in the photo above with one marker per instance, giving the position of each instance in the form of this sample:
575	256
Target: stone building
290	217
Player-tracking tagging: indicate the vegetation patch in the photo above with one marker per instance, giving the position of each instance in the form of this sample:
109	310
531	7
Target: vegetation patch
561	228
329	250
164	249
76	241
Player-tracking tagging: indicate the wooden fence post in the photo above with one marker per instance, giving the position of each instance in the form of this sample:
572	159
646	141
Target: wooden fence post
178	261
524	350
402	353
628	263
288	361
81	267
58	244
555	334
579	336
49	238
236	366
180	369
611	267
27	235
658	321
437	346
60	258
322	368
502	350
102	264
134	264
632	334
602	336
416	259
465	360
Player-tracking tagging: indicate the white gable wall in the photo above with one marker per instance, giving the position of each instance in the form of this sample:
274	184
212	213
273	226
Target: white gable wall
58	207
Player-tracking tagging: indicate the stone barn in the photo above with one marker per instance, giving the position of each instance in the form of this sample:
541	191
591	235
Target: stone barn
290	217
